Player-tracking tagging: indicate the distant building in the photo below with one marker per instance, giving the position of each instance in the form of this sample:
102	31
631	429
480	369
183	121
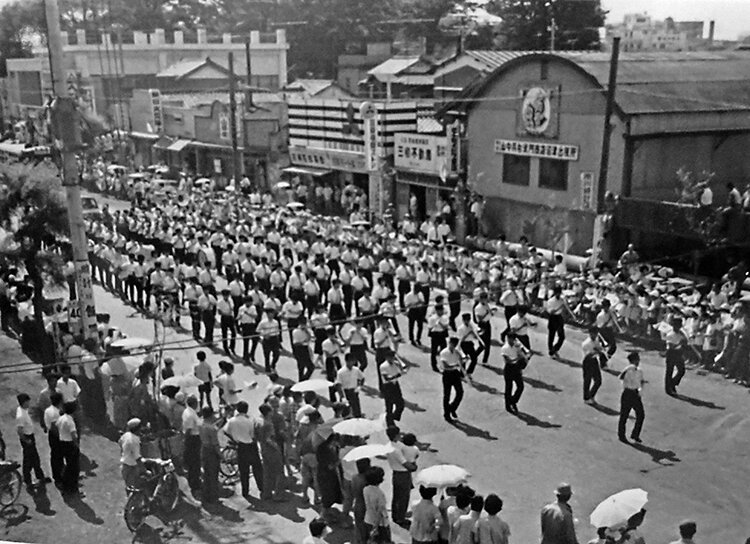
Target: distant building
353	67
105	72
316	88
640	32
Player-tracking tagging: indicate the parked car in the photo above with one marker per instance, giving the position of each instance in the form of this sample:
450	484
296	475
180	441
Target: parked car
91	208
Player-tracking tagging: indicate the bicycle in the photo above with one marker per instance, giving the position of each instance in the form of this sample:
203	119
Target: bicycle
10	482
228	464
157	492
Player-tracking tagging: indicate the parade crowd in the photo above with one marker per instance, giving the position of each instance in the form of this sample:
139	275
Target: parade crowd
242	273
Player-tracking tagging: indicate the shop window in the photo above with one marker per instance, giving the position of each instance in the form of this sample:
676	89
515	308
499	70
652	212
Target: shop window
553	174
516	169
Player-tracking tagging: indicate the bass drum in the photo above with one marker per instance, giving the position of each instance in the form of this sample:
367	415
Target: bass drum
206	255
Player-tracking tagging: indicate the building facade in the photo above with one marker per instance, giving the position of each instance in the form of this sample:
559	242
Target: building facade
105	69
641	32
535	135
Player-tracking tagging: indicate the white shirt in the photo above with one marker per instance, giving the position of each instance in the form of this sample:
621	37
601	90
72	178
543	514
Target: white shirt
707	197
69	391
190	421
23	421
51	415
632	377
510	352
590	346
66	426
130	444
349	378
555	306
241	428
519	325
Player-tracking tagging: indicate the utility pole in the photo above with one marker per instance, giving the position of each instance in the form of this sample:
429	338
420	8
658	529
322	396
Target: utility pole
233	121
66	126
552	34
249	98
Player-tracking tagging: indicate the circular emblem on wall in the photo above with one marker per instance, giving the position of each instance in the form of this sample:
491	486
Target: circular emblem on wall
535	110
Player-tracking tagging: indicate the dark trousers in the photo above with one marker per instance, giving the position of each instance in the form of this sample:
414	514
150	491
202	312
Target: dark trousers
609	338
192	460
472	353
205	390
56	461
452	380
485	333
195	319
227	329
30	460
401	490
333	364
404	286
513	376
555	328
247	457
394	401
271	350
359	351
352	397
437	344
416	319
675	362
348	298
247	330
454	304
209	320
210	460
424	288
305	366
72	458
631	400
592	376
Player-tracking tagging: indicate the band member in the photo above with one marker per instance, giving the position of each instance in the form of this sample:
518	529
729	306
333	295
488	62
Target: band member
453	285
519	325
332	353
335	299
403	283
593	357
451	366
225	307
482	315
355	336
516	358
292	310
414	304
302	339
556	308
676	343
438	326
193	292
270	333
606	322
509	300
467	336
632	385
350	380
391	372
247	320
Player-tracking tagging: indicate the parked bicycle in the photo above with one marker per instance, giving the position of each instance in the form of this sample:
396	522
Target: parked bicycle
228	466
10	482
157	493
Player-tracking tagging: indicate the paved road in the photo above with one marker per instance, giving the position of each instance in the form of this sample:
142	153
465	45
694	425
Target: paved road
692	462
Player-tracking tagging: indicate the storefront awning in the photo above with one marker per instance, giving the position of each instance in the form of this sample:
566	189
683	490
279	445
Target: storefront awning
315	172
219	147
163	143
178	145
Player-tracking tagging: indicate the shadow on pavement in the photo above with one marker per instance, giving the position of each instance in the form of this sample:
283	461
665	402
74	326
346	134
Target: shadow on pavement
535	422
662	457
425	446
14	515
42	502
470	430
287	509
88	466
539	384
413	406
483	388
606	410
567	362
699	402
83	510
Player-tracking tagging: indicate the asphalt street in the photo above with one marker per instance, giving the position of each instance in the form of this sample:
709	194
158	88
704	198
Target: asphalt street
692	461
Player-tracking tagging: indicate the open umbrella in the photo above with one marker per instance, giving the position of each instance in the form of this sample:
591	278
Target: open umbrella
121	366
442	476
619	508
282	185
295	205
361	224
358	427
132	343
312	385
368	451
183	382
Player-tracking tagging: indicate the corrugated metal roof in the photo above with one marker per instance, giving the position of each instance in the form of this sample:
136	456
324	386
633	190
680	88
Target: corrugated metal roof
181	68
429	125
309	86
493	59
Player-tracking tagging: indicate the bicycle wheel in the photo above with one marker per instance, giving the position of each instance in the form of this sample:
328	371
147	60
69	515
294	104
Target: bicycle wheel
228	464
10	487
169	492
136	510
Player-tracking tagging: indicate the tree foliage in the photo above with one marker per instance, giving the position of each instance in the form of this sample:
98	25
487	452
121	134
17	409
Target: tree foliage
18	21
34	213
527	24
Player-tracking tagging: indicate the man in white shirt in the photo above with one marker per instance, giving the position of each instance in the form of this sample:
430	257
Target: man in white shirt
225	308
71	455
451	366
515	360
350	379
25	429
390	373
687	529
270	334
50	417
519	325
632	383
130	459
241	429
675	359
593	352
555	307
437	327
192	456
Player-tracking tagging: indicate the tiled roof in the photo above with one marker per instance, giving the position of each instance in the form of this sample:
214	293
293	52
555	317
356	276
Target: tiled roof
393	66
182	67
309	86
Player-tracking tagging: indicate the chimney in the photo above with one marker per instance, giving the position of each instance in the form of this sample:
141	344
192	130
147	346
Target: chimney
711	29
202	35
81	36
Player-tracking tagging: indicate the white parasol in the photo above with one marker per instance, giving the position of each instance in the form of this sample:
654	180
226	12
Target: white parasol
368	451
312	385
442	476
358	427
619	508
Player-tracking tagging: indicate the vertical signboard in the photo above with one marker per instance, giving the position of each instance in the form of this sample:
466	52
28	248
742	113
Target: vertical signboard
370	121
587	190
156	109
